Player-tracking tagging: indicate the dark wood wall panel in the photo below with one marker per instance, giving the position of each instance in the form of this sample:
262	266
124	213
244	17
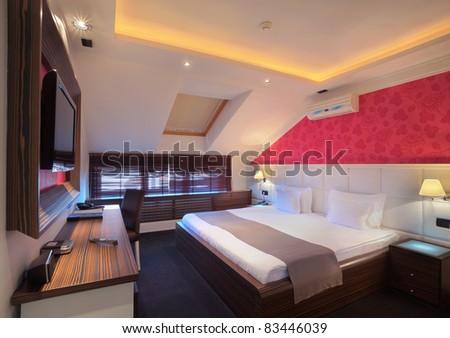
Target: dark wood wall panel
32	39
55	53
232	200
24	67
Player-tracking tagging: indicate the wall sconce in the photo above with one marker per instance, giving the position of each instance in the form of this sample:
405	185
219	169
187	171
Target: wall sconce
259	176
432	188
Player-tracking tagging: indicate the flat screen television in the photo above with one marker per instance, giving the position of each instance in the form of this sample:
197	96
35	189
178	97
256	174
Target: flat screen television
58	123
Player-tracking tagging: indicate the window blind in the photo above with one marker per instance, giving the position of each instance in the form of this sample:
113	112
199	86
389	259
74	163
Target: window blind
111	173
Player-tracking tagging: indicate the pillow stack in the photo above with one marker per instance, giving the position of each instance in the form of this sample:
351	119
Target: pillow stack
358	211
294	200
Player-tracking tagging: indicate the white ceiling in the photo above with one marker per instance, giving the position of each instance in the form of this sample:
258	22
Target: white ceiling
313	39
129	84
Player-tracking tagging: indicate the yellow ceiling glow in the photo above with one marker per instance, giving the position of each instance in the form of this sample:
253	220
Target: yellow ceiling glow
432	35
163	37
167	38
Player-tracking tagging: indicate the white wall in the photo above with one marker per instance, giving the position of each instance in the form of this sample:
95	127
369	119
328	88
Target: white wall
169	143
17	251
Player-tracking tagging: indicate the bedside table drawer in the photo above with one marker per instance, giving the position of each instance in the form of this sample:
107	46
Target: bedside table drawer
415	262
414	278
414	290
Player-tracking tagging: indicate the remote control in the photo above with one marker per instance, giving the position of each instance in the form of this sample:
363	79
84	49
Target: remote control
108	241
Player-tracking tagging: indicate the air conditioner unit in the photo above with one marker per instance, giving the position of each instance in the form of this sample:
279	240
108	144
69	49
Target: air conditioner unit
337	106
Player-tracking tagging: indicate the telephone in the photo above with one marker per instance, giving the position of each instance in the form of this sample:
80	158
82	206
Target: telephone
58	247
85	206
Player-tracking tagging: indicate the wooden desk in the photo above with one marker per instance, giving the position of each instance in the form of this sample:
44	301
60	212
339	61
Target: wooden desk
93	280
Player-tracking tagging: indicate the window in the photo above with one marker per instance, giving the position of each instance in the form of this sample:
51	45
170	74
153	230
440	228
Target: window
111	173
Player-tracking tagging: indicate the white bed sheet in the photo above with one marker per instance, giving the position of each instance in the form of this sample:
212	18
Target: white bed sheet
315	228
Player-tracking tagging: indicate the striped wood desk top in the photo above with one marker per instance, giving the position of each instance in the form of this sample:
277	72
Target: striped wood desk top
89	265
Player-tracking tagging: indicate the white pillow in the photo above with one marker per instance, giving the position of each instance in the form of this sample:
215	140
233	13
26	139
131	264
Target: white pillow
375	200
288	201
350	214
305	196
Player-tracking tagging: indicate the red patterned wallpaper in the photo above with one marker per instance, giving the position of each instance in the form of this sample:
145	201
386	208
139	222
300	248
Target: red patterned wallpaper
408	123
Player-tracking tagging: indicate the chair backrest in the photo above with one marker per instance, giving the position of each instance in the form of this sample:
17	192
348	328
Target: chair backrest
131	209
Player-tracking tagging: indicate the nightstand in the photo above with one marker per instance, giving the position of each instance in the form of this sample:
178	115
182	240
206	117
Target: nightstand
422	270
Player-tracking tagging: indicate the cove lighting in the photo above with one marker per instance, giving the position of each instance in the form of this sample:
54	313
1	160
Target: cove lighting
127	29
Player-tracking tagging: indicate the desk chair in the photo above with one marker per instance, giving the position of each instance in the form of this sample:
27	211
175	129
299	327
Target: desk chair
131	214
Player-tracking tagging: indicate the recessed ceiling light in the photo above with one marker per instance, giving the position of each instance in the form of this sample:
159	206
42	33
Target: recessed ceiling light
187	64
267	81
81	25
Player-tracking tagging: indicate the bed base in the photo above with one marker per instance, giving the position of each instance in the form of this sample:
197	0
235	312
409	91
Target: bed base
248	298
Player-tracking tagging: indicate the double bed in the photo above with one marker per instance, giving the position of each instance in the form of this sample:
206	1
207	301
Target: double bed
257	284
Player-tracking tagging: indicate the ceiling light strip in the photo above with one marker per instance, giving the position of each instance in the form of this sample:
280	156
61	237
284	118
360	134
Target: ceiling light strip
225	54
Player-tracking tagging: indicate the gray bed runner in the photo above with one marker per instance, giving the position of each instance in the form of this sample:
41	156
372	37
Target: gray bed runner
312	268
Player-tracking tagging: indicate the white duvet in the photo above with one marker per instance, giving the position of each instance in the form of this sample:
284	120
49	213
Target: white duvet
315	228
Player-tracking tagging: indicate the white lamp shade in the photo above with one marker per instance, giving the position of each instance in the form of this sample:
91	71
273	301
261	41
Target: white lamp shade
259	175
432	188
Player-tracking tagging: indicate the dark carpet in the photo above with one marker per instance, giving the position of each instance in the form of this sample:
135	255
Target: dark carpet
170	287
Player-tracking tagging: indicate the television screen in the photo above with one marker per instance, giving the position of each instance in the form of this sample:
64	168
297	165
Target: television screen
58	117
